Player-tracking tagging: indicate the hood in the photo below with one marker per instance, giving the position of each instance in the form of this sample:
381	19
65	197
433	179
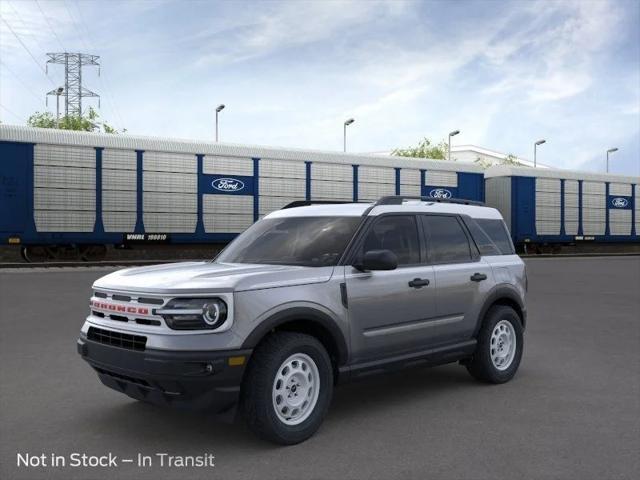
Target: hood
202	277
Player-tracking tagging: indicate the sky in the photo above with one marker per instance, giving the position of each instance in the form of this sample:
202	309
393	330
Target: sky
290	73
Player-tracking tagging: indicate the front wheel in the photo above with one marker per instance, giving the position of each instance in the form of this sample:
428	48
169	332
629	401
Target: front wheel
500	345
288	387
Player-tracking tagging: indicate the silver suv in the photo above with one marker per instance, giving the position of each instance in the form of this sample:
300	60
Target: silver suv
308	297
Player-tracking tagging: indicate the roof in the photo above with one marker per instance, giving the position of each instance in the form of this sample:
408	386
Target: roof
410	206
511	171
17	133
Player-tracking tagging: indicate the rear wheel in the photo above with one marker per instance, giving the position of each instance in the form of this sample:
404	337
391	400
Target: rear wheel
288	387
500	345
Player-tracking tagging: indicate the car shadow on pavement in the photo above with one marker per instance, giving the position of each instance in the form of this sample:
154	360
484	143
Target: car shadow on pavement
148	424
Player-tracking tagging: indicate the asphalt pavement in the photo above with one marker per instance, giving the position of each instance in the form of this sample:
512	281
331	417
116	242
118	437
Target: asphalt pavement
572	411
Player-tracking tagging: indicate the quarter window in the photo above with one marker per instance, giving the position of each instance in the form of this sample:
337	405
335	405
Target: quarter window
397	233
446	240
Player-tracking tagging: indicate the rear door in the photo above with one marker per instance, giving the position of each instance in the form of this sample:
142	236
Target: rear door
387	315
462	278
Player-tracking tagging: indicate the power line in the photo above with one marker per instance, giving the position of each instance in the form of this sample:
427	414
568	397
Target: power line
105	84
50	26
12	113
24	84
24	24
75	25
28	51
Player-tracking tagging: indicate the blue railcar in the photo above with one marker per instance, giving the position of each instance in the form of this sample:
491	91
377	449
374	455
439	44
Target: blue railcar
64	189
560	207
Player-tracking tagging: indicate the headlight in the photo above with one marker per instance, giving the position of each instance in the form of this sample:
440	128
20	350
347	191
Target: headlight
194	313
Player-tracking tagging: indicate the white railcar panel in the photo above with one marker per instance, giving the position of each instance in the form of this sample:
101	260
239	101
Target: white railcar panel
409	176
119	159
441	178
548	185
64	220
594	201
593	228
571	228
214	223
594	214
283	187
620	189
548	199
64	177
64	199
119	201
64	156
368	174
373	191
227	204
331	190
329	171
282	169
548	227
413	190
119	221
571	200
119	180
169	182
270	204
169	222
498	195
571	186
547	213
169	162
169	202
597	188
216	165
620	222
571	214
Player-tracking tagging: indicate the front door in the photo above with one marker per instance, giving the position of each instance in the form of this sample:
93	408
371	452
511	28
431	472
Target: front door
389	311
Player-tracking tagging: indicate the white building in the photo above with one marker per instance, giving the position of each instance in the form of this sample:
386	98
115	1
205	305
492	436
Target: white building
471	153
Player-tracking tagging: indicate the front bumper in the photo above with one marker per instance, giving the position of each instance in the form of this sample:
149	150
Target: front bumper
190	380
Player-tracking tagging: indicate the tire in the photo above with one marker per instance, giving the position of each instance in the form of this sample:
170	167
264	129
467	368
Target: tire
273	381
494	361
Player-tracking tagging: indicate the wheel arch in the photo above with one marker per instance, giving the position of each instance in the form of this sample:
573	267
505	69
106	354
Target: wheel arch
503	295
304	320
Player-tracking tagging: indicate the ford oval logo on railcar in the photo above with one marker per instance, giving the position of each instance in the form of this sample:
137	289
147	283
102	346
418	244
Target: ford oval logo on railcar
440	193
619	202
228	184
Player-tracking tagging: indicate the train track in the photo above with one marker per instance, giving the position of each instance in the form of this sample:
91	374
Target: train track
135	263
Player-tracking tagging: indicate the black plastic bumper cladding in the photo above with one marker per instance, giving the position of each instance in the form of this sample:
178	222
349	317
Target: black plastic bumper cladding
189	380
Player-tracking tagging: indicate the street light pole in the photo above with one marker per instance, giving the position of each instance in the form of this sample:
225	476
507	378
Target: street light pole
535	146
611	150
219	108
58	93
344	133
451	134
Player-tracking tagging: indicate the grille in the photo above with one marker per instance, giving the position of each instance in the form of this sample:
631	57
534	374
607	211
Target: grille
117	339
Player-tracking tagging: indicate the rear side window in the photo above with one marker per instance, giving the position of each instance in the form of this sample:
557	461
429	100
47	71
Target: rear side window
497	232
446	240
481	238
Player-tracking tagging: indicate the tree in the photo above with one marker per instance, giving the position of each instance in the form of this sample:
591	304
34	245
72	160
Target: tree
90	122
510	159
425	149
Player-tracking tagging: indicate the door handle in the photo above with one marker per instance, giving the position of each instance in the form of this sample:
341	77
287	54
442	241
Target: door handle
478	277
419	282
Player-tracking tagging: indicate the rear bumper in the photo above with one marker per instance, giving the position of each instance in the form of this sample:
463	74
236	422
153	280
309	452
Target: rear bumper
189	380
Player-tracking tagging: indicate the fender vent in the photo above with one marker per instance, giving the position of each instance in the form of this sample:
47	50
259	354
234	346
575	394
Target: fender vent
117	339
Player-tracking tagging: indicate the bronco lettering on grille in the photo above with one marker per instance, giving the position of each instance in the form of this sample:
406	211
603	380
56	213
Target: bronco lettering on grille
112	307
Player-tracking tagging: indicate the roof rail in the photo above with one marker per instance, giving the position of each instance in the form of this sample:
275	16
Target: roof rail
398	199
307	203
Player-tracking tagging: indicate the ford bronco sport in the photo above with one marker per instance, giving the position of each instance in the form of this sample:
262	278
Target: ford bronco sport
308	297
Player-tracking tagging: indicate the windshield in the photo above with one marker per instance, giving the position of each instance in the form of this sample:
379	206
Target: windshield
306	241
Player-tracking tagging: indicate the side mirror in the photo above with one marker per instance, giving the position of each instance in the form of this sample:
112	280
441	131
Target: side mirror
378	260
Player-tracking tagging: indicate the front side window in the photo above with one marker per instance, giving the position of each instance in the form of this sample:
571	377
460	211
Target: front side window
446	240
305	241
397	233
